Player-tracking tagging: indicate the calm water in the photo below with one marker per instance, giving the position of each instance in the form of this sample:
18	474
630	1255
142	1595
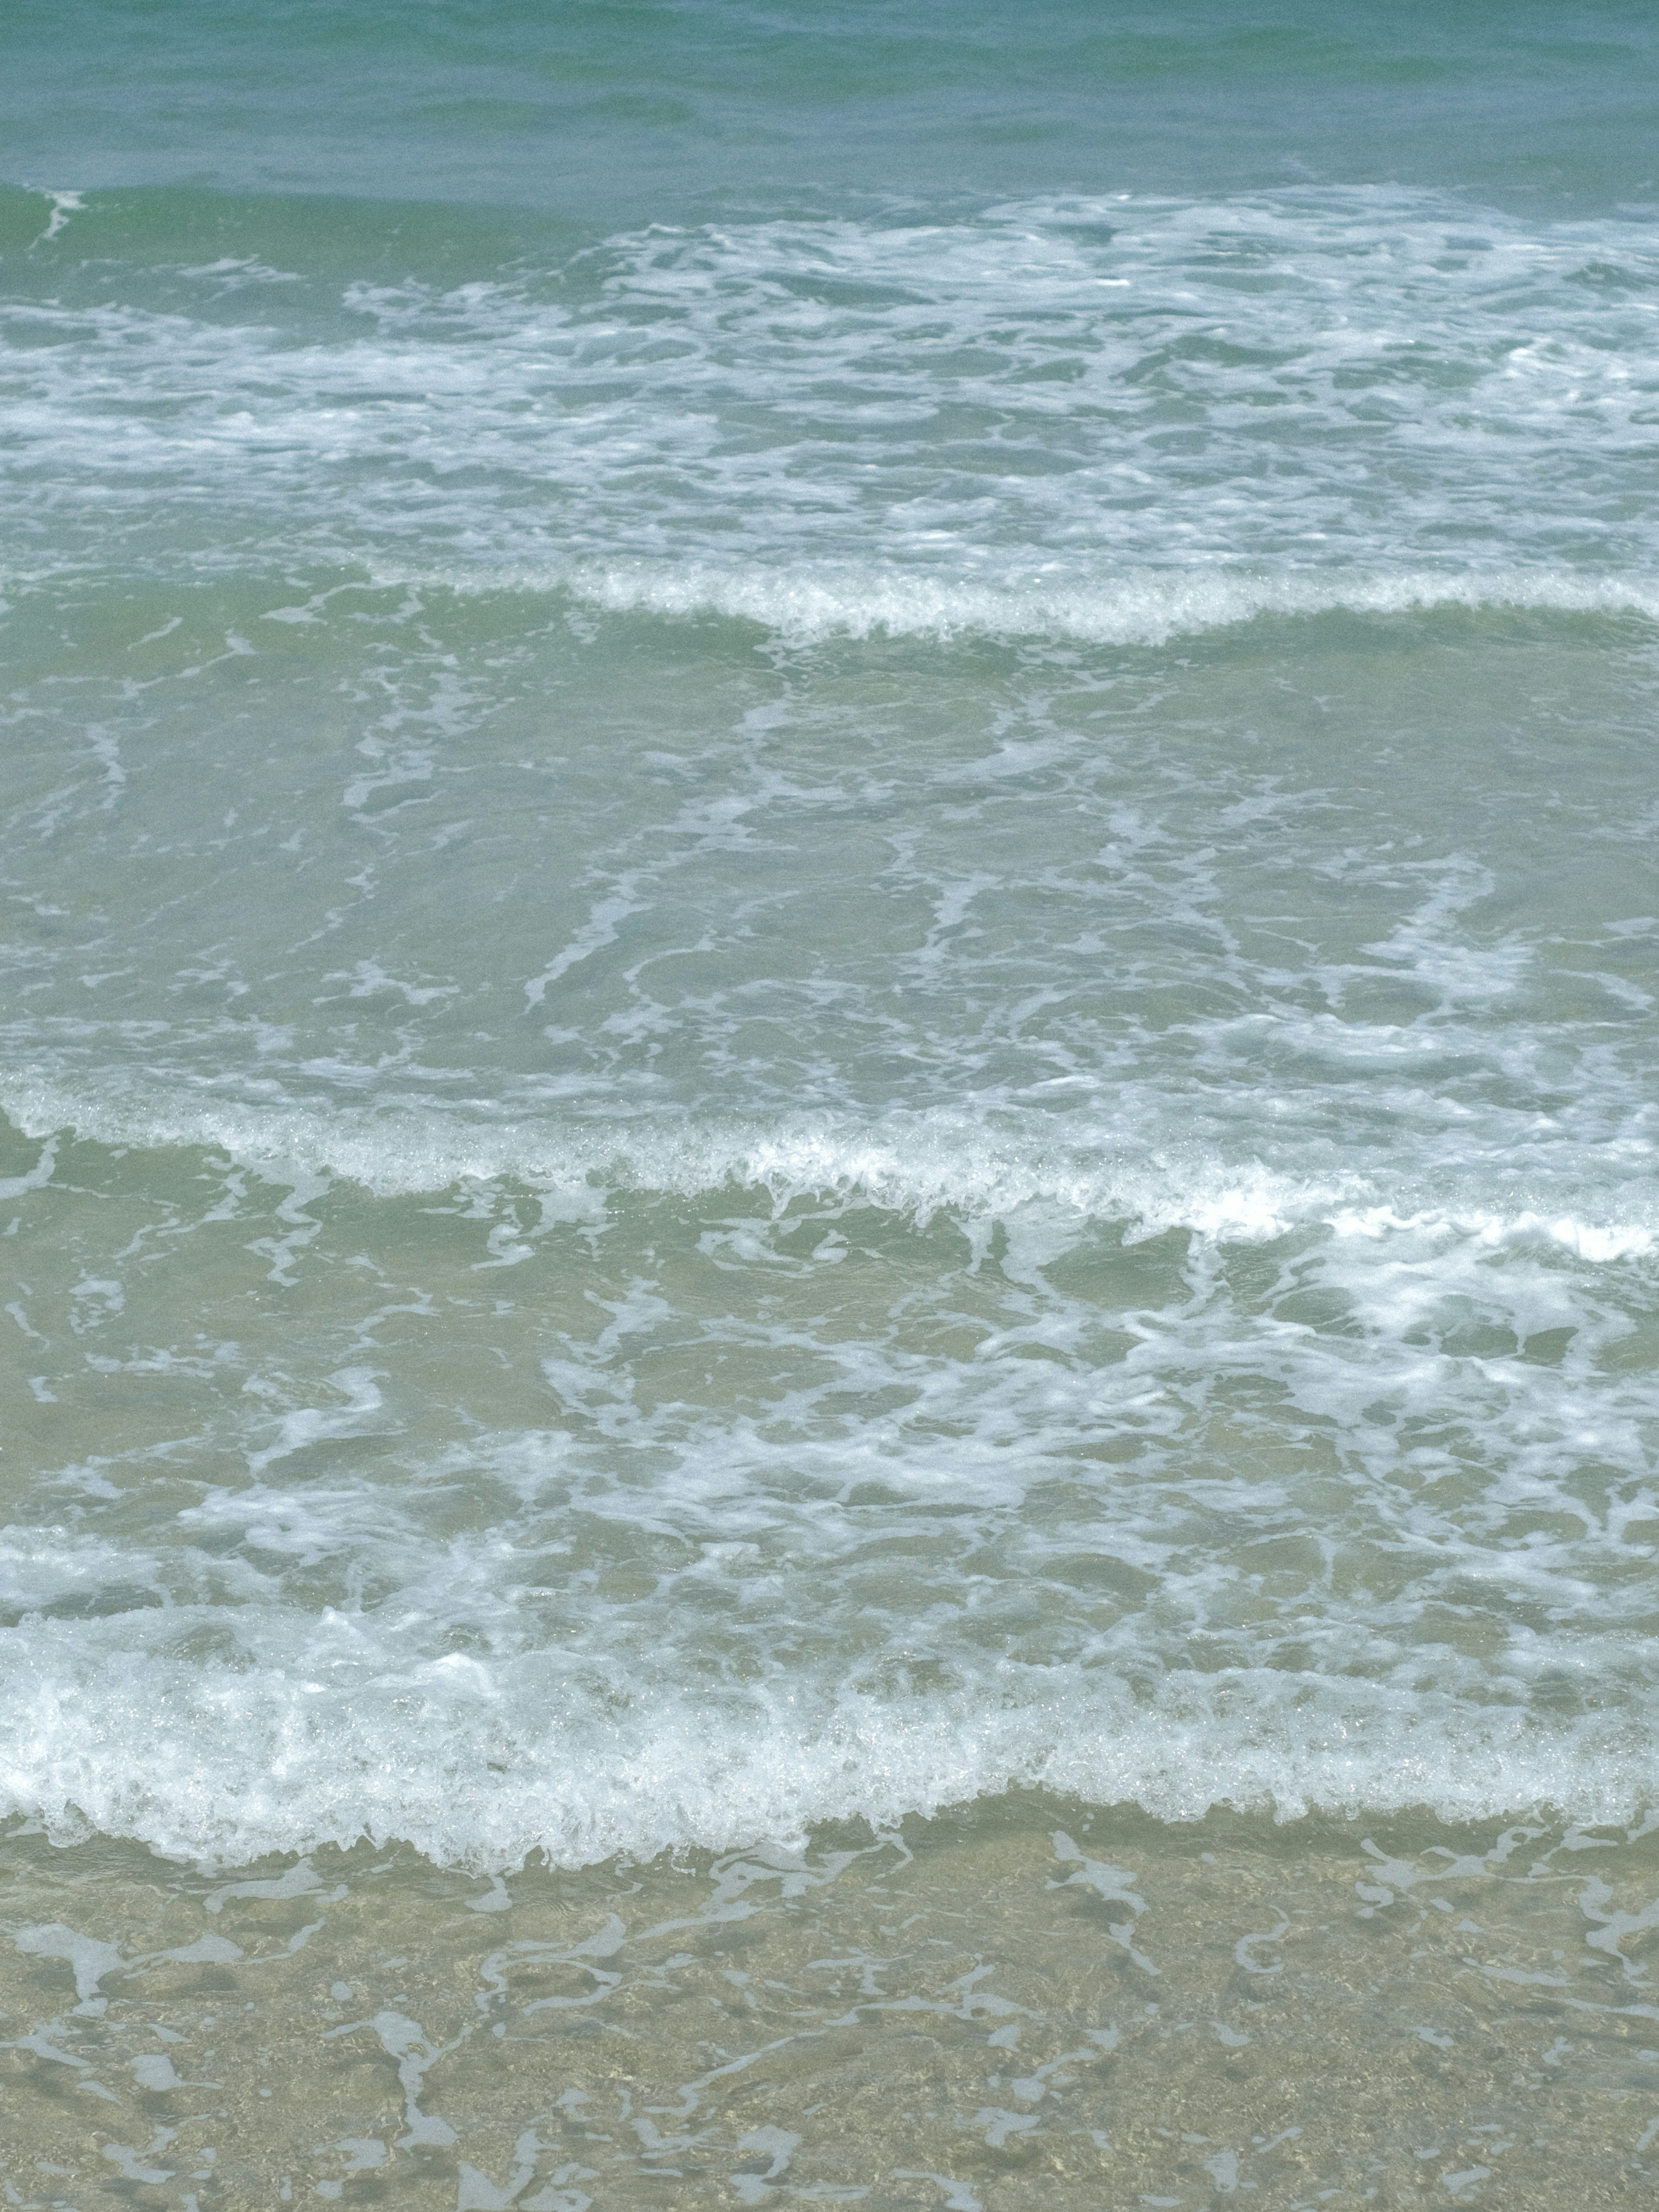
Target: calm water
827	1181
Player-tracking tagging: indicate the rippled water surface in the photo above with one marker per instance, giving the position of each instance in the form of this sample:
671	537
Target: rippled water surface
826	1197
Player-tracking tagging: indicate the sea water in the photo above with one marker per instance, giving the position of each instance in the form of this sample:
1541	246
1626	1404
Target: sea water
830	1267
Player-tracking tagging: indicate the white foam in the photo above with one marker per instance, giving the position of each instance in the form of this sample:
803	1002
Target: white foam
1144	607
63	205
1389	1482
912	1163
927	429
1599	1242
480	1765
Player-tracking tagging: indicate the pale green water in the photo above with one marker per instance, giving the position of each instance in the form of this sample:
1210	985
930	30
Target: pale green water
828	1015
989	2010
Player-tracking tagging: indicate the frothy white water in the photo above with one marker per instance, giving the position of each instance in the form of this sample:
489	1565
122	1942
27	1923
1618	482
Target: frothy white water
622	1240
983	1168
1368	396
480	1764
803	603
1355	1517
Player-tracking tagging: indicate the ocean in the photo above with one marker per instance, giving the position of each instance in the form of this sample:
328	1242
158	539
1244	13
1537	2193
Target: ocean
829	1102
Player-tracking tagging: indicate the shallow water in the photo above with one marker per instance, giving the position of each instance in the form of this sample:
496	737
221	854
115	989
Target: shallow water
827	1112
1025	1252
991	2009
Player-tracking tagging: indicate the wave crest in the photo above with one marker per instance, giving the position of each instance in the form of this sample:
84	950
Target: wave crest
804	603
222	1766
915	1164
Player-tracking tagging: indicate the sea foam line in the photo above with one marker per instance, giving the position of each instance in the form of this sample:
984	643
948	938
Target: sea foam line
803	603
221	1766
915	1163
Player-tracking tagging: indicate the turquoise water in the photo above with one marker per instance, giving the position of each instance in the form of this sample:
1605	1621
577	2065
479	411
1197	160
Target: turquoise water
829	1029
610	113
